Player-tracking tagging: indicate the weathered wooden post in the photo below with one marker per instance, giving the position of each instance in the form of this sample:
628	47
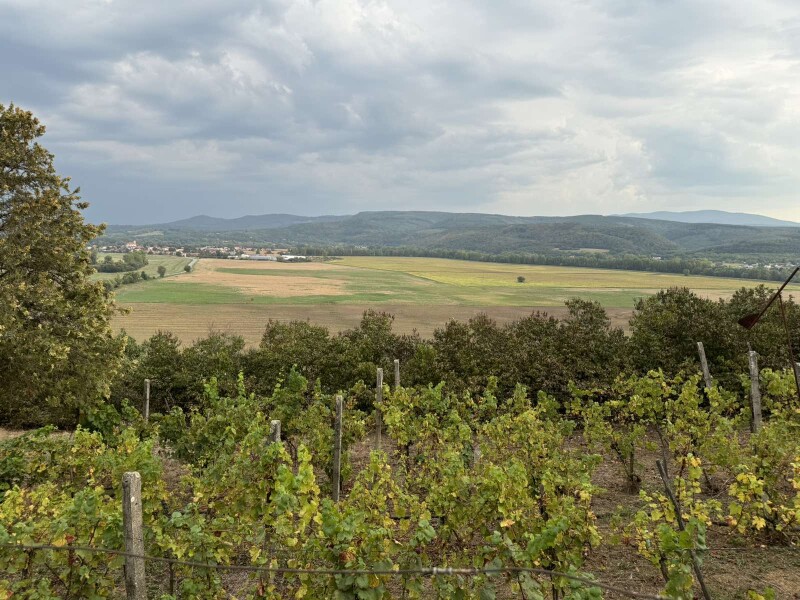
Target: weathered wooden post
797	374
755	392
396	373
378	400
797	367
274	431
704	364
135	586
146	400
337	450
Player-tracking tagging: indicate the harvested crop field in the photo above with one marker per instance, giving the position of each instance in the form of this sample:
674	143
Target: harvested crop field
191	322
422	293
282	284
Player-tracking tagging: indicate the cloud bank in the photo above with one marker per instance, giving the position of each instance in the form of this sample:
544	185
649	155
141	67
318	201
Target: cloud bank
165	110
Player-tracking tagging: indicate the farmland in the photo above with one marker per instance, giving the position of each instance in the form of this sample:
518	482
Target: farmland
541	458
173	264
421	292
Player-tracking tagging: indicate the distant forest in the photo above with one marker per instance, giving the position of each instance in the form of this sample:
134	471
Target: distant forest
585	241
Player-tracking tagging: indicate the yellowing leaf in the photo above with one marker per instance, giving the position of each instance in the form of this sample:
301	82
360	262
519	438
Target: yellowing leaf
506	523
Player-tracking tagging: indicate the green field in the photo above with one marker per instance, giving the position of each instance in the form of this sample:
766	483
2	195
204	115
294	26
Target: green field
173	264
423	293
375	280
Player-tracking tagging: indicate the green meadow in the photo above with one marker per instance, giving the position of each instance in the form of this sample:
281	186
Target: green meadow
173	264
376	280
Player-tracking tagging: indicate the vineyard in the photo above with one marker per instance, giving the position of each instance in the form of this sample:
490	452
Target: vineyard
534	457
443	495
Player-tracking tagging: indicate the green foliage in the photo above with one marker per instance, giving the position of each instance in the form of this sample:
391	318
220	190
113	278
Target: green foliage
537	351
220	425
67	492
656	533
496	471
57	352
46	514
765	494
26	459
131	261
779	393
337	362
684	418
665	329
111	423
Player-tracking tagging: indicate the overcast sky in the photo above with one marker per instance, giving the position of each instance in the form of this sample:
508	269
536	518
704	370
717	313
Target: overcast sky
164	109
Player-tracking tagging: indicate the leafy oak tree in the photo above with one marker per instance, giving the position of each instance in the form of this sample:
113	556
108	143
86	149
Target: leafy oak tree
57	351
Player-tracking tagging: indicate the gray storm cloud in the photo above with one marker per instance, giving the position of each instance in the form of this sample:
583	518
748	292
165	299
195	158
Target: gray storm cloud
164	110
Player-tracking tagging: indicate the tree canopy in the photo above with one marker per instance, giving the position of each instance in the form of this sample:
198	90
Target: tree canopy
56	344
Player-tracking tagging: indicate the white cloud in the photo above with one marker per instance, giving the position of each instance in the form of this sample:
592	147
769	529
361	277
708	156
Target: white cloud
598	106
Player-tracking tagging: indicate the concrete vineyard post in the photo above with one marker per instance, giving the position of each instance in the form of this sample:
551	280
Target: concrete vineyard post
135	586
337	450
396	373
755	393
274	431
704	364
378	400
146	400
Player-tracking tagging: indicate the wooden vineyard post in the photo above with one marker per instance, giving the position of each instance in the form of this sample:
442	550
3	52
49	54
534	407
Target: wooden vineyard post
378	400
797	375
755	392
396	373
679	517
274	431
797	372
337	450
146	400
135	586
704	365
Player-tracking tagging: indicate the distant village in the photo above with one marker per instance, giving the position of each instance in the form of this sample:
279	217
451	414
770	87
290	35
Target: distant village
224	252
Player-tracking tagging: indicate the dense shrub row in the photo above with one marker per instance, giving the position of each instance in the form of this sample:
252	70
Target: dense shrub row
538	351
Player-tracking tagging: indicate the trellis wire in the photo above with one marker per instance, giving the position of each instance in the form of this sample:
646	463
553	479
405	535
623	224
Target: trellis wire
426	571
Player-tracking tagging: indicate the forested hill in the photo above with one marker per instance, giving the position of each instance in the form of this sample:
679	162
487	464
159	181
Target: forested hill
492	234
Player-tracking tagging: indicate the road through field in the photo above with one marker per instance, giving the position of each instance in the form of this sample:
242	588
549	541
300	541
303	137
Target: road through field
423	293
173	264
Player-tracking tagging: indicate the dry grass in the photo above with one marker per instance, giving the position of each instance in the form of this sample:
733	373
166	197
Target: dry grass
211	272
191	322
9	434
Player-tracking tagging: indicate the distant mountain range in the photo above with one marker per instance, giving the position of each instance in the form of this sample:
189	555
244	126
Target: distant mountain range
719	217
488	233
279	220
